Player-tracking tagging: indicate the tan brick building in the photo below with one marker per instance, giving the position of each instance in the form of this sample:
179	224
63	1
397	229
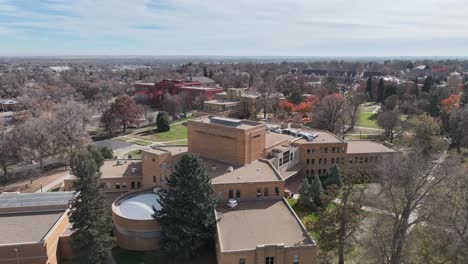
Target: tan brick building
235	102
34	227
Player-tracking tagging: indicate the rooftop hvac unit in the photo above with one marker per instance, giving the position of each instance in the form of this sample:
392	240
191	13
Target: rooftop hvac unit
230	169
134	170
232	203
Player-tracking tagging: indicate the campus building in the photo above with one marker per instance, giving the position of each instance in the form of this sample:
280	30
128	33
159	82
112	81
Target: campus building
235	102
251	164
192	89
34	227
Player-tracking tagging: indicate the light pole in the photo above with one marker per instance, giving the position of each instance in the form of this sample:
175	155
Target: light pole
17	256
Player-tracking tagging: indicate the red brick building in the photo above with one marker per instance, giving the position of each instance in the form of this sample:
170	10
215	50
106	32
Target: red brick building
193	89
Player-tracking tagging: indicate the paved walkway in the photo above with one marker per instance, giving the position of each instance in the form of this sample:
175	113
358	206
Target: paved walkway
53	184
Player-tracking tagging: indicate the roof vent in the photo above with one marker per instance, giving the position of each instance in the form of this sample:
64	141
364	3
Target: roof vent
119	162
134	170
213	167
230	169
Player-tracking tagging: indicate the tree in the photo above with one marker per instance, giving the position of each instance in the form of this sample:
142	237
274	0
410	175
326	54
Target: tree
89	219
369	88
330	112
205	71
71	120
37	138
189	194
390	122
110	121
333	178
306	198
407	182
107	153
126	111
433	106
428	83
353	102
172	104
162	122
9	149
426	134
381	91
338	225
458	127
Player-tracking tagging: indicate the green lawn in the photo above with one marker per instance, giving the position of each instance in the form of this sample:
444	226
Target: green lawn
177	132
122	256
307	217
140	142
367	119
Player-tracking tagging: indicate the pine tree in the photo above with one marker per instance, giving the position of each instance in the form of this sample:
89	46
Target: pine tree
369	88
187	214
434	107
334	178
162	122
205	72
306	200
317	191
428	83
90	221
380	91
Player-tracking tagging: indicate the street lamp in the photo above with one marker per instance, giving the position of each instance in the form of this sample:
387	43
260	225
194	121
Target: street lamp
17	256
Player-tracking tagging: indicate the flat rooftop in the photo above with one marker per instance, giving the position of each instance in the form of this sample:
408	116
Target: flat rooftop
128	168
368	146
222	102
259	222
22	200
201	88
30	227
323	137
227	122
137	206
274	139
257	171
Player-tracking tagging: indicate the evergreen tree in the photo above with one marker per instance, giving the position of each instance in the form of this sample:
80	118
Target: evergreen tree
334	177
316	190
428	83
380	91
464	99
205	72
306	199
187	215
107	153
434	107
162	122
369	88
90	221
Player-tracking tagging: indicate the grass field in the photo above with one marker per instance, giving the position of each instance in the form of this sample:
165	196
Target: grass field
367	119
140	142
177	132
135	154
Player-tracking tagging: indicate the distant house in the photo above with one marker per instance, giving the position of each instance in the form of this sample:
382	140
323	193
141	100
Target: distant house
369	74
205	81
8	105
315	72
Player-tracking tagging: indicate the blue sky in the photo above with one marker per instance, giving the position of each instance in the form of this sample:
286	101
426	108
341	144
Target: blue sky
234	27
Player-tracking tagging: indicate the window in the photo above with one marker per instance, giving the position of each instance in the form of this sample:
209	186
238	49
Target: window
338	149
321	150
231	194
325	161
320	161
117	186
333	161
296	259
312	172
270	260
333	150
342	160
259	192
124	185
286	157
291	156
276	191
366	160
307	172
324	171
313	161
132	185
308	151
281	161
238	194
108	185
308	161
154	160
265	191
360	159
313	150
154	179
139	185
242	261
326	150
319	172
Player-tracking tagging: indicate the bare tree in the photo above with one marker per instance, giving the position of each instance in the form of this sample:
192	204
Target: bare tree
353	101
171	104
330	113
9	149
407	182
390	122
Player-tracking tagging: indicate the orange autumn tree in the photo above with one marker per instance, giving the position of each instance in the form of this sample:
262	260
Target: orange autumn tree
450	103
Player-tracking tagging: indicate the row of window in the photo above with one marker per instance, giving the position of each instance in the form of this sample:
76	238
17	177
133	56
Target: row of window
260	192
365	159
286	158
319	172
325	150
271	260
119	186
325	160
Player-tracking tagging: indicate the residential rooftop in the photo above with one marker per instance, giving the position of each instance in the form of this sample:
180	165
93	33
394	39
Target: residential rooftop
227	122
368	146
27	227
222	102
257	171
259	222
